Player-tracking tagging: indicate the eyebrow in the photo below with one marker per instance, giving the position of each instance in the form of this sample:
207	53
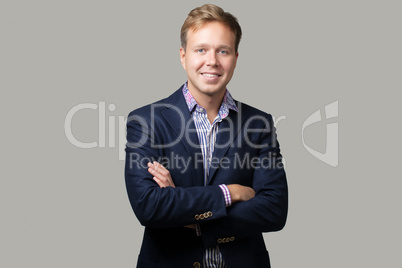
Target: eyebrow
206	45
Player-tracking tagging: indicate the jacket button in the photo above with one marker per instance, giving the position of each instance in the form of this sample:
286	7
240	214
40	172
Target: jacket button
206	215
197	217
201	216
196	265
232	239
209	214
219	240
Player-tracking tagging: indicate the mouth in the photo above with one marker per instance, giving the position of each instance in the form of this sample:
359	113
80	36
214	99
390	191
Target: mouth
211	75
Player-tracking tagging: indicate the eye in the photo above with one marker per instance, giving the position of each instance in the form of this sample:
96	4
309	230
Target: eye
223	52
201	50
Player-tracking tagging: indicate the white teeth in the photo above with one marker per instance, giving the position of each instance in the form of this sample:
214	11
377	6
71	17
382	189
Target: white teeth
211	75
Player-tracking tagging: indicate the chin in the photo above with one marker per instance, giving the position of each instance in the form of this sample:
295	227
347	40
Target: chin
214	90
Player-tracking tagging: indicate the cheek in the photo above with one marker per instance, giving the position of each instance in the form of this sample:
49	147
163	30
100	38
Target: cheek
229	66
194	63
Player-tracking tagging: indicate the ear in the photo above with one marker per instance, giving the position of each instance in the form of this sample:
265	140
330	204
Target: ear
183	57
237	56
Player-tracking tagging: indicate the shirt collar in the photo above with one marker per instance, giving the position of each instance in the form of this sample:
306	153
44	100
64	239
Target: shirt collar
227	103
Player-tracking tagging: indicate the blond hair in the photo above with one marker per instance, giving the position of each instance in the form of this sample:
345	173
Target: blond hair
209	13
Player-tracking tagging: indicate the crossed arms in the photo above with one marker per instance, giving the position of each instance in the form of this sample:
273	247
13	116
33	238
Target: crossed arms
162	177
163	198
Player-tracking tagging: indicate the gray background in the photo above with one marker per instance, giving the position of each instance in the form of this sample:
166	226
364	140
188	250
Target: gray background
63	206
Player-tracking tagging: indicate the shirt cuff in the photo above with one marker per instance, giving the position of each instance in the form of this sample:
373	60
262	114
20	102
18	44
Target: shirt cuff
226	195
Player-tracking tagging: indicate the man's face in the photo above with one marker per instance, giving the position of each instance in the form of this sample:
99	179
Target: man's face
209	59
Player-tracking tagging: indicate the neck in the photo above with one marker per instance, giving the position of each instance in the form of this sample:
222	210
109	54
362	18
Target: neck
211	103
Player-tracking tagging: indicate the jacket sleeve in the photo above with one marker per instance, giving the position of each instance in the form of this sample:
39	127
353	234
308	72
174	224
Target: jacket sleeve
163	207
267	211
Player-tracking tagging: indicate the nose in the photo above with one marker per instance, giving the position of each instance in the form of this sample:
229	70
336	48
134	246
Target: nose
211	59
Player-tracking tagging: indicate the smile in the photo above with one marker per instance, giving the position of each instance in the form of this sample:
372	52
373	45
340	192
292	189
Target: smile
210	75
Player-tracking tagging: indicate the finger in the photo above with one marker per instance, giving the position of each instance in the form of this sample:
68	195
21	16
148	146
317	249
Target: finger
161	171
161	176
159	182
153	168
160	166
157	166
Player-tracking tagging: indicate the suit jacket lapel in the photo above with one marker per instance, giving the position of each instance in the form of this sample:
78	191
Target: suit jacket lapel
179	118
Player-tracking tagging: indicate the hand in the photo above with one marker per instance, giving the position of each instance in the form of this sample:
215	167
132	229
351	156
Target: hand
240	193
161	175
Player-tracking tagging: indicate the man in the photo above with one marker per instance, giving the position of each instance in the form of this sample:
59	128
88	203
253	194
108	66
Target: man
203	171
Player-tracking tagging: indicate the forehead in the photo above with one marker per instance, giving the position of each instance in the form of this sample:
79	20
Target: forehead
211	32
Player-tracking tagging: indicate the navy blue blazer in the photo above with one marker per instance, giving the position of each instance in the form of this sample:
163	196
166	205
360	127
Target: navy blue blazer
246	152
